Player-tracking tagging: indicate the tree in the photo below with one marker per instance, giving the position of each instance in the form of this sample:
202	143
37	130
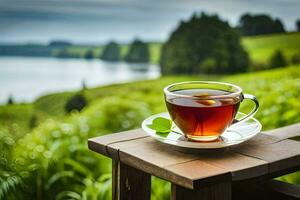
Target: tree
298	24
76	102
203	44
138	52
277	60
111	52
278	26
259	24
10	100
296	58
89	54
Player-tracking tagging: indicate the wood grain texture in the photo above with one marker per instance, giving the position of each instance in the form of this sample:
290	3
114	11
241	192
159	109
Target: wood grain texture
134	184
218	191
99	144
160	160
285	132
280	156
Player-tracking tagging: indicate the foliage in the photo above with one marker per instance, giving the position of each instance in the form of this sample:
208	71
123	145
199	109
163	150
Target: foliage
10	100
59	43
89	54
76	102
259	25
203	44
14	120
138	52
111	52
277	60
298	24
52	161
296	58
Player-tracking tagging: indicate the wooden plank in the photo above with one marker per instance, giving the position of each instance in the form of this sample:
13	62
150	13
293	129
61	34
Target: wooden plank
285	132
157	159
281	156
134	184
197	174
99	144
278	190
160	160
215	192
241	167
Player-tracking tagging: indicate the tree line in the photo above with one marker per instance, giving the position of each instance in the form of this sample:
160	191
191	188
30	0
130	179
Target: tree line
207	44
138	52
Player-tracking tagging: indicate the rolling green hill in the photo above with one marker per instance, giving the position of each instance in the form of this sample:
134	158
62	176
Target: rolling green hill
260	48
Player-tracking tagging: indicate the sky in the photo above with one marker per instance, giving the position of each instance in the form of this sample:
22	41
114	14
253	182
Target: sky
98	21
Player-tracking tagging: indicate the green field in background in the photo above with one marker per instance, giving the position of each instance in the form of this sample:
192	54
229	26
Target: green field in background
261	48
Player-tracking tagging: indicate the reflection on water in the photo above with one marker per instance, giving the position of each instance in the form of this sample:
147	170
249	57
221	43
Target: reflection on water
26	78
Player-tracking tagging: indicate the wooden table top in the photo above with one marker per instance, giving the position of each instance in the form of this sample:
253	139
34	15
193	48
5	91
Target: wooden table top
270	154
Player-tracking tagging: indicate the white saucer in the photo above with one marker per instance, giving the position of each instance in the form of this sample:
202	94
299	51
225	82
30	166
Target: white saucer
234	134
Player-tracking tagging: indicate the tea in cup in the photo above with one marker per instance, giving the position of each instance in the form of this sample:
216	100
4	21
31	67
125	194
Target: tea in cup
203	110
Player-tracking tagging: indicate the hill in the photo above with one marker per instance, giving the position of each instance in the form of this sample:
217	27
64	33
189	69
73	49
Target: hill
260	48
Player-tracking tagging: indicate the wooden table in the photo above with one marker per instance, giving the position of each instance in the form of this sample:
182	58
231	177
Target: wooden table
241	172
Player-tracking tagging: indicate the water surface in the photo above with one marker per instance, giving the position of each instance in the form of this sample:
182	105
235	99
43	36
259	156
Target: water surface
26	78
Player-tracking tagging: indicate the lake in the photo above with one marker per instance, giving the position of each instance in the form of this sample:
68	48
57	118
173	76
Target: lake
26	78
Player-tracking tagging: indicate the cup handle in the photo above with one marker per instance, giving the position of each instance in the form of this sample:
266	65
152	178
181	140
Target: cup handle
252	113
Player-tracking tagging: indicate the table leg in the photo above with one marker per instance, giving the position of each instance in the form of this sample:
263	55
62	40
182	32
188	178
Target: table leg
129	183
221	191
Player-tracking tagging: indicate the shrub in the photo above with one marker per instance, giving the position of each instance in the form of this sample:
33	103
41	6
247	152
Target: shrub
116	114
296	58
77	102
89	54
298	24
10	100
277	60
138	52
111	52
203	44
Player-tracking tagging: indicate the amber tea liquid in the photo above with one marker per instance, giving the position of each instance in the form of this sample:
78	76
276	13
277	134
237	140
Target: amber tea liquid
201	116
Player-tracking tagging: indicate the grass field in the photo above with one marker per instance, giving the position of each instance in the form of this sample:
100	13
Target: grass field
46	153
261	48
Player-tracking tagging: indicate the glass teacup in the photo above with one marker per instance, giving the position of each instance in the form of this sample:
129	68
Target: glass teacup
203	110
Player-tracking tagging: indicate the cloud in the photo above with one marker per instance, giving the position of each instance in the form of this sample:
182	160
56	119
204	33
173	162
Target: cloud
100	20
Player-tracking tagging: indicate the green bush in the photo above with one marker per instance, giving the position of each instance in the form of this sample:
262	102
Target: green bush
89	54
203	44
10	100
138	52
296	58
277	60
111	52
76	102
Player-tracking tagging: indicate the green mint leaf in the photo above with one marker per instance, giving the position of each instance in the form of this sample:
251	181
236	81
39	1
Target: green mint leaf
161	125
